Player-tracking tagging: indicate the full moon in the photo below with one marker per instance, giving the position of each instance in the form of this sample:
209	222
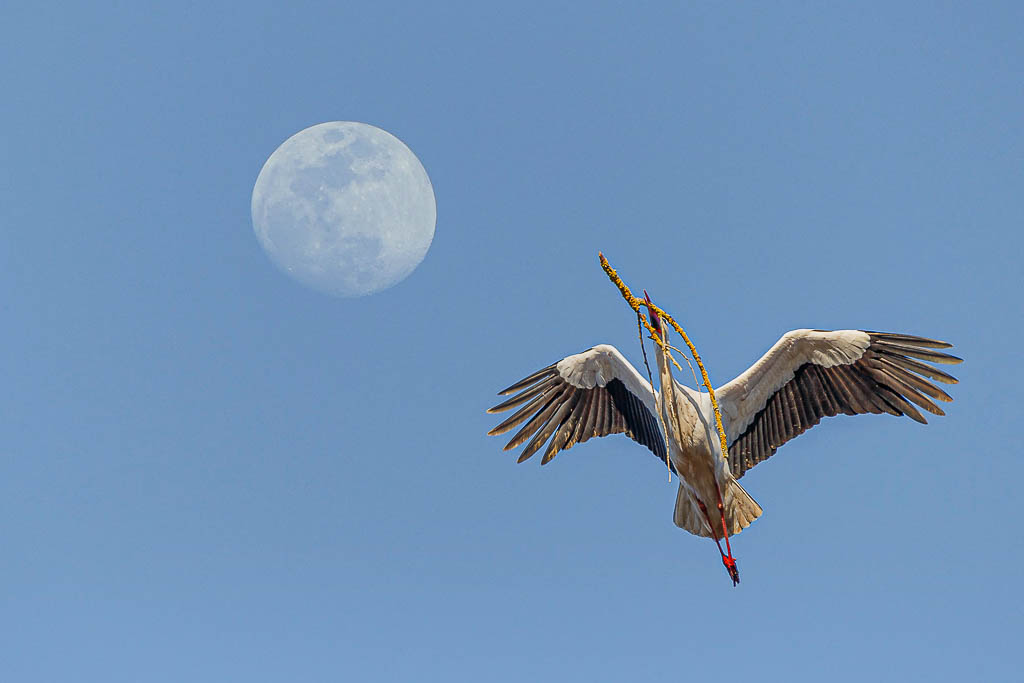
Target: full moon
345	208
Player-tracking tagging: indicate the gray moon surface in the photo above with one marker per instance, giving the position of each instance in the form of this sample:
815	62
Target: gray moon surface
345	208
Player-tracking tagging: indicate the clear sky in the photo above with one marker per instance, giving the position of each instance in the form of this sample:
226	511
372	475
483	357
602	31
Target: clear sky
211	473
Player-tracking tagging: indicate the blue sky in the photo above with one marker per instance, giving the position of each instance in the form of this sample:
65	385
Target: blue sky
210	473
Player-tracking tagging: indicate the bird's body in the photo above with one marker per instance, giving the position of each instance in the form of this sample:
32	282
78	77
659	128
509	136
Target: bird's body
696	455
706	483
805	376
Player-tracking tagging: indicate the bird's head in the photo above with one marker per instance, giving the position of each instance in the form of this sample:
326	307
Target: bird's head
655	319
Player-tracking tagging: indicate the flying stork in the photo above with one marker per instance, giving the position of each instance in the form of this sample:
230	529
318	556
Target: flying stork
805	376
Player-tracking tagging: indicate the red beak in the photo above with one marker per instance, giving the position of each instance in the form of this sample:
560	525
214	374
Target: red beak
655	320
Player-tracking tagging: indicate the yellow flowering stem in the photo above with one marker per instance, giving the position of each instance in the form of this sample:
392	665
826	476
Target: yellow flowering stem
635	304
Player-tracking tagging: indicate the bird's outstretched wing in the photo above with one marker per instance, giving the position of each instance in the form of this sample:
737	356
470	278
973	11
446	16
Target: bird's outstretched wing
811	374
593	393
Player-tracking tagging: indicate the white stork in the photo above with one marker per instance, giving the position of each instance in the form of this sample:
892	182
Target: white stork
805	376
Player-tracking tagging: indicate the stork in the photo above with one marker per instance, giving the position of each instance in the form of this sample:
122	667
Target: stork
805	376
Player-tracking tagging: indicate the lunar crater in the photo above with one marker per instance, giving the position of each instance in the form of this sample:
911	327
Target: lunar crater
345	208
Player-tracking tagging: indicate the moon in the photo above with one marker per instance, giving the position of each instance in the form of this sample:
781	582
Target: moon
345	208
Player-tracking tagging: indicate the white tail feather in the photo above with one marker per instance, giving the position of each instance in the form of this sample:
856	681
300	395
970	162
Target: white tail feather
740	511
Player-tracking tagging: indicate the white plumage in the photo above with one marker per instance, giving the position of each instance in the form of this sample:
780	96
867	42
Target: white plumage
805	376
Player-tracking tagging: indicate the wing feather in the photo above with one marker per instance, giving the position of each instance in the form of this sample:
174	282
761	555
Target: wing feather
594	393
901	388
866	389
915	352
525	395
911	340
562	410
565	429
913	380
811	374
526	381
916	366
579	421
519	416
541	418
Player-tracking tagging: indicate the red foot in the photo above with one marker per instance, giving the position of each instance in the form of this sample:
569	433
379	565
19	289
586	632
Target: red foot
730	566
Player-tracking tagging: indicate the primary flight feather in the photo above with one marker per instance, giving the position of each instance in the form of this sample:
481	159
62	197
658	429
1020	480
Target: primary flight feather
805	376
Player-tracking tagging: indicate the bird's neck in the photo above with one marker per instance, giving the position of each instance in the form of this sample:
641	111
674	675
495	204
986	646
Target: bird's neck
665	378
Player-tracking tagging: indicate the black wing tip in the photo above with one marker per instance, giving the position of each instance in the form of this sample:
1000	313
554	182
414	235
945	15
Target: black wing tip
913	339
523	458
888	378
529	380
948	359
906	346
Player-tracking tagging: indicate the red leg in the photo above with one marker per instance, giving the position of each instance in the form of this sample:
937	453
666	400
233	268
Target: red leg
711	526
728	560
